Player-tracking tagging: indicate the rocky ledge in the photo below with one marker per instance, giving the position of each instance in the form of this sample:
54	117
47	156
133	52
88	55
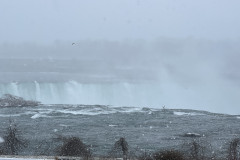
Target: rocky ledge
8	100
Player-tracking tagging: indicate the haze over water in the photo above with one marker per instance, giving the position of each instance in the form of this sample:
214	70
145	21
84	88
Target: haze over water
140	53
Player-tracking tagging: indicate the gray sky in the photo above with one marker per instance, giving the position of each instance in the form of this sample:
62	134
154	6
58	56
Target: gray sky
190	47
45	21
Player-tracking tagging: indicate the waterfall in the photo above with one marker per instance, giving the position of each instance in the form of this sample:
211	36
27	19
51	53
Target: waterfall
73	92
125	94
38	90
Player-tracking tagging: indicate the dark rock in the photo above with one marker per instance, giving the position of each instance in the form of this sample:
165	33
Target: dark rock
8	100
191	135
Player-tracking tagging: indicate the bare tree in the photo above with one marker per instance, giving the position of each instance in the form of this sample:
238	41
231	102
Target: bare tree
12	141
198	149
122	145
233	153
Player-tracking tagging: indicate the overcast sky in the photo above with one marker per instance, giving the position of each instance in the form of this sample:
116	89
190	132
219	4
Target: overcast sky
45	21
190	46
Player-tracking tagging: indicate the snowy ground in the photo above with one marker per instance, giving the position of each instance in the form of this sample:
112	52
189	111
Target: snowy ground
26	158
46	158
37	158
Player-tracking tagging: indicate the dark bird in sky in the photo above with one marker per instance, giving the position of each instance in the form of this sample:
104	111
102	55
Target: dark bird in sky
73	43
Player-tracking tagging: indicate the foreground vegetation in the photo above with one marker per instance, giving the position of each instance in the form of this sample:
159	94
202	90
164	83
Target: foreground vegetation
13	143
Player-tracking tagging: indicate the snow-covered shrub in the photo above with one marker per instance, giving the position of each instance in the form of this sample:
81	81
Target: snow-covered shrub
73	146
168	155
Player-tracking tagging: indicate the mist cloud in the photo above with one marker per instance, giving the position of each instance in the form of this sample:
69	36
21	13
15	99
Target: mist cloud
186	61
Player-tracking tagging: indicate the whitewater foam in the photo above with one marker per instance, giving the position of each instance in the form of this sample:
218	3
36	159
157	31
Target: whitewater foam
38	115
188	114
10	115
112	125
1	140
